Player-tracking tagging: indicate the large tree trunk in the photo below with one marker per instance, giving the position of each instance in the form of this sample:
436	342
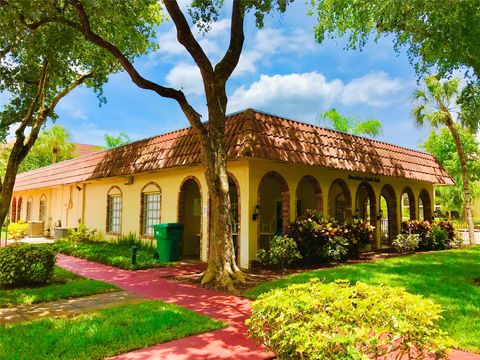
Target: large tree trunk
465	182
6	187
222	267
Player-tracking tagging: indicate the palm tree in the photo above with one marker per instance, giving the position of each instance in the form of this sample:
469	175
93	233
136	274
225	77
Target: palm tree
435	107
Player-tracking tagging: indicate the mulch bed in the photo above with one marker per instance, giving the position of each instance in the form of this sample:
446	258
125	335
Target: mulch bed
259	274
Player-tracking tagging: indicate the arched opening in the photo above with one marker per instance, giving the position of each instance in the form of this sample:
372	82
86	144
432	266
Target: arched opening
42	210
29	209
19	209
407	201
388	222
366	204
114	210
339	201
150	205
424	206
13	210
274	202
234	191
308	195
190	215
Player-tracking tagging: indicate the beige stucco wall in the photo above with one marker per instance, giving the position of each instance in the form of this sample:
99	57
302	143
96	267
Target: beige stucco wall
87	202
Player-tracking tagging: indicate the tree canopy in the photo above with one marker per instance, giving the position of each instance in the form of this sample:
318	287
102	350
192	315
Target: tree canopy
442	35
112	141
351	125
440	144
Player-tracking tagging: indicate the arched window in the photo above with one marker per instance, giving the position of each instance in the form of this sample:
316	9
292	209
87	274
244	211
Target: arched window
339	201
151	198
19	209
114	210
29	209
42	212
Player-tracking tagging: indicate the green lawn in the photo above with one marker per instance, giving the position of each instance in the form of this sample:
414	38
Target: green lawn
447	277
101	334
63	285
118	255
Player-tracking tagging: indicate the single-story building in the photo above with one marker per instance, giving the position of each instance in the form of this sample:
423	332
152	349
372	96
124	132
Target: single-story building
277	167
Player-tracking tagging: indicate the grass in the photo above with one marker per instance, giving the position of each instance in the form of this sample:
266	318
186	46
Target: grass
118	255
102	334
63	285
446	277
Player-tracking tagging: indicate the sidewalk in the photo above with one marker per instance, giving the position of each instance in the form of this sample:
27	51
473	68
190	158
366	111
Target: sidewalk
229	343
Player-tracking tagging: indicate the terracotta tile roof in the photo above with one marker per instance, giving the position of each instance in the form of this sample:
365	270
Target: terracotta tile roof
84	149
249	133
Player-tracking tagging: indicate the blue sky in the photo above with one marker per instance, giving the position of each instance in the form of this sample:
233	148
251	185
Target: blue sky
282	71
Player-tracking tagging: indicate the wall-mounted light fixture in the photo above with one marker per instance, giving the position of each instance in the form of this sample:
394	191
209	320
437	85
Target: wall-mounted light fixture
435	214
256	212
380	214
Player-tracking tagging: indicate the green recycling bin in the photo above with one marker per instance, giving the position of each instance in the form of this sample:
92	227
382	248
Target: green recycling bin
168	238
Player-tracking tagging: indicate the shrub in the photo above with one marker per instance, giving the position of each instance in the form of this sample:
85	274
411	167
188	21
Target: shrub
24	264
82	234
405	243
338	321
18	230
322	240
437	236
283	251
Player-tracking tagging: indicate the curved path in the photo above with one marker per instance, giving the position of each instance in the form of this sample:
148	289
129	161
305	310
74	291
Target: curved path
229	343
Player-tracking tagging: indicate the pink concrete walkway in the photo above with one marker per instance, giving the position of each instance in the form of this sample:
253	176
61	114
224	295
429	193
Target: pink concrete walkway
229	343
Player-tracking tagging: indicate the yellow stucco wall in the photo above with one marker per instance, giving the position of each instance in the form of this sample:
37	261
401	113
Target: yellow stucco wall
87	202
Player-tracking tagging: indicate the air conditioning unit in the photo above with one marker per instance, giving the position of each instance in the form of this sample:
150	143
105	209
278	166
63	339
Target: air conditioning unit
35	229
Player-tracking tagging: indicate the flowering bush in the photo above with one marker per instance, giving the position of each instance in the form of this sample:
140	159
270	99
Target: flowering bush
338	321
440	235
283	251
320	239
405	243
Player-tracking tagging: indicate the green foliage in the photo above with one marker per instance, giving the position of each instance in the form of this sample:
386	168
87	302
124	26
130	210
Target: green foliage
446	277
82	234
41	153
118	255
350	125
112	141
18	230
440	144
102	334
322	240
283	251
437	236
62	285
338	321
406	243
23	264
442	37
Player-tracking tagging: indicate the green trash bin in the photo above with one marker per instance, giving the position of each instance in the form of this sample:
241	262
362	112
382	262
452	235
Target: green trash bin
168	238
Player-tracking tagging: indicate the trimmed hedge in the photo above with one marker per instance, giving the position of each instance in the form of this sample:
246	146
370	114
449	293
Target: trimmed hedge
24	264
339	321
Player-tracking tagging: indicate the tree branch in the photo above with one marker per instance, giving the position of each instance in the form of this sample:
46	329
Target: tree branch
186	38
227	65
34	103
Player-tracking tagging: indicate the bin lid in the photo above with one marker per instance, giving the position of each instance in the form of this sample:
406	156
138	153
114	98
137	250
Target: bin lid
167	225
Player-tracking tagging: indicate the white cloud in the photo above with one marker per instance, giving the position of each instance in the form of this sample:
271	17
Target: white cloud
71	106
307	94
186	77
270	41
287	94
373	89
